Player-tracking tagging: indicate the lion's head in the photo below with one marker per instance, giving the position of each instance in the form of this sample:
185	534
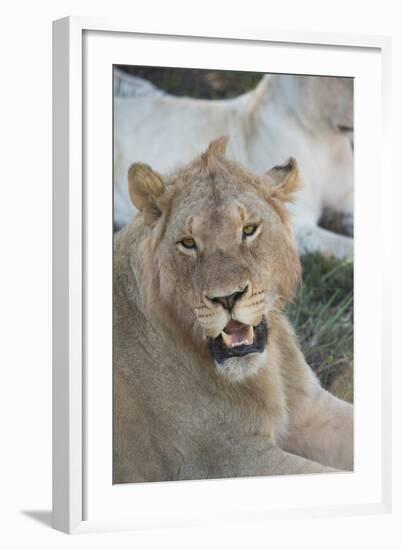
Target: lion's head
217	254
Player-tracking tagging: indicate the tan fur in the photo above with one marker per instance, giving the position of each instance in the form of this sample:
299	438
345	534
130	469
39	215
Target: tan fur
214	152
177	413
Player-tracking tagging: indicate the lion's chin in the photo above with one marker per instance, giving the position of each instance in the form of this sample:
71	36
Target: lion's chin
240	350
237	369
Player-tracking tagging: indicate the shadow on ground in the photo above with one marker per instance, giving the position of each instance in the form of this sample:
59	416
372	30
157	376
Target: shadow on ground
41	516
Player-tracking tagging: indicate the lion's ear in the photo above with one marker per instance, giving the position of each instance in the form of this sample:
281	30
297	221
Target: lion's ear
285	180
214	152
146	188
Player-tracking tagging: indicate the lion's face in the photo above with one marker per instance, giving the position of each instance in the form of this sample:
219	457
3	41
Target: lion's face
218	255
325	101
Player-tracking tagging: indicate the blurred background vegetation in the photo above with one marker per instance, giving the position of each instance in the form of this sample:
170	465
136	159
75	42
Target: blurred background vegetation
322	312
199	83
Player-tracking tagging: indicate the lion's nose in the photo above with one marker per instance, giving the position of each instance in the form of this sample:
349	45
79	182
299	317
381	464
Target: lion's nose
229	301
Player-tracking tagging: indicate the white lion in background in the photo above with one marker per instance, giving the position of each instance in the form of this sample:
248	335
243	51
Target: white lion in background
309	118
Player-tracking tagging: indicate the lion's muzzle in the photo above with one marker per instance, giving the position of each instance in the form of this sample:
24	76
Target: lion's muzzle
234	323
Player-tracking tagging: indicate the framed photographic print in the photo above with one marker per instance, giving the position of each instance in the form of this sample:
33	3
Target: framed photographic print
217	314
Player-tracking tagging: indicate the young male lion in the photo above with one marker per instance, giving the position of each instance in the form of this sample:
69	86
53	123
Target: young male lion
209	380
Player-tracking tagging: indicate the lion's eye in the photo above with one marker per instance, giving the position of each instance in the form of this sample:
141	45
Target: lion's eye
248	230
188	243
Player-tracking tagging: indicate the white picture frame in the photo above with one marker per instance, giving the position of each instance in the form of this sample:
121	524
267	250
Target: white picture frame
80	44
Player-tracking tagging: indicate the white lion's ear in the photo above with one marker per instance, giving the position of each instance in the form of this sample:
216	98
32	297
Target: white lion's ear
146	188
285	180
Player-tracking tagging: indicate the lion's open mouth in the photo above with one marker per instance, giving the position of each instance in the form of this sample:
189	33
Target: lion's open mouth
237	340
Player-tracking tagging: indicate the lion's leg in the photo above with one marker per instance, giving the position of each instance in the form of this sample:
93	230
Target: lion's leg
322	430
256	456
312	238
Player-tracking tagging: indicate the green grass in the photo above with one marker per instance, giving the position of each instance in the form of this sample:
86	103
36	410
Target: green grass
322	316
